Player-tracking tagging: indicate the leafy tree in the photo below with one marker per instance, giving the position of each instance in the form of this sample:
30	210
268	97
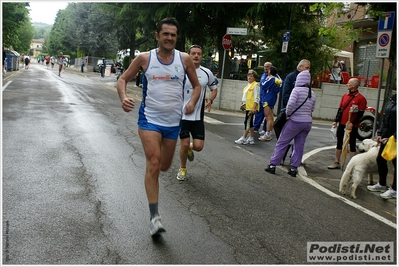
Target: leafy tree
56	40
83	29
205	24
137	33
15	19
26	34
41	30
305	41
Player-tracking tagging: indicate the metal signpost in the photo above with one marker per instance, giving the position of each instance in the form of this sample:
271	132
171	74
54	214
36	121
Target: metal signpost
227	43
385	27
284	49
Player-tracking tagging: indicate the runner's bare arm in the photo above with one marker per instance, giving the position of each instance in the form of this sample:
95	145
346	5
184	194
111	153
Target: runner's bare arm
192	76
140	62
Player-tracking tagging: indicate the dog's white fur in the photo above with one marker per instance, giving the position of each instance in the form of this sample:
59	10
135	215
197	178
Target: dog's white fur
359	166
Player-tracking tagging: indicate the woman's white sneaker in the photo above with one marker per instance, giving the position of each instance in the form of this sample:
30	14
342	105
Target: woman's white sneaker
240	141
390	193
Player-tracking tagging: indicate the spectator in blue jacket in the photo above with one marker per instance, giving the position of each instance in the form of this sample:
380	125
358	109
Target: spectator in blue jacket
269	89
260	116
289	81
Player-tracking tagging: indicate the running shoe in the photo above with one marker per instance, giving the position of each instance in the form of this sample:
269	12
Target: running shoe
190	154
240	141
390	193
377	188
156	226
249	141
181	176
265	137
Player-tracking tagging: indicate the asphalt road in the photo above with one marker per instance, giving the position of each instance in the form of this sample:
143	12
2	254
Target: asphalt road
73	191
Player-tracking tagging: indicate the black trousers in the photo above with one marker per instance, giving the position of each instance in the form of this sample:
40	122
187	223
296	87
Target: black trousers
383	168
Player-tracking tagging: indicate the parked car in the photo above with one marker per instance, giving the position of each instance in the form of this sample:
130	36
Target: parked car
108	62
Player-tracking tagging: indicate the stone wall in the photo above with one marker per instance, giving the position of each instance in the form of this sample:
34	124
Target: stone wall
327	97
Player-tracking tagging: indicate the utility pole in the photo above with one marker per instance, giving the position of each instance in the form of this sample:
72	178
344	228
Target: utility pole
286	38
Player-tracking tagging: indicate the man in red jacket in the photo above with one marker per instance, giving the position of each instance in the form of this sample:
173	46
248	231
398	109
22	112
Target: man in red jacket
353	103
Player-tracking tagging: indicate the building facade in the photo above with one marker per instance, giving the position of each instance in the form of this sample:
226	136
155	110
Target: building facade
36	47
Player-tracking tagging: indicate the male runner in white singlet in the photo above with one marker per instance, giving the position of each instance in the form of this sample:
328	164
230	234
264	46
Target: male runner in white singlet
194	123
164	73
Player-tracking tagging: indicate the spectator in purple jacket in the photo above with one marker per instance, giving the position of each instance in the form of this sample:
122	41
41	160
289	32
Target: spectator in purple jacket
298	125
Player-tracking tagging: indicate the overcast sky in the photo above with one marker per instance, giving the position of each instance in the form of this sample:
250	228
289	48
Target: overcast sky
45	11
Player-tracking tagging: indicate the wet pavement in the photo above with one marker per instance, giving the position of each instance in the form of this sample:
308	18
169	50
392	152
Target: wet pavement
316	161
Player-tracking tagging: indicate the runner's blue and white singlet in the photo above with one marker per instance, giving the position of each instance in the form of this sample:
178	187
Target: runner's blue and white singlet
205	78
163	85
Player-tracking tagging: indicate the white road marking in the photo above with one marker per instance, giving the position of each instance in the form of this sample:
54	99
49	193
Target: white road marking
5	86
303	176
214	121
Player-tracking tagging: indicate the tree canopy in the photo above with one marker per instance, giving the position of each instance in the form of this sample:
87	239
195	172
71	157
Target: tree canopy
102	28
18	31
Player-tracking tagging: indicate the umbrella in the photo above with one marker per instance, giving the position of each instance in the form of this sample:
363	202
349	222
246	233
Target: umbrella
346	142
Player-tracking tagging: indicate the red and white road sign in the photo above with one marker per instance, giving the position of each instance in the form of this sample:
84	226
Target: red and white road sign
226	42
383	44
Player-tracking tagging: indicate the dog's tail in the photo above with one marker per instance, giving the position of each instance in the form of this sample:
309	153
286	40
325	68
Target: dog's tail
346	177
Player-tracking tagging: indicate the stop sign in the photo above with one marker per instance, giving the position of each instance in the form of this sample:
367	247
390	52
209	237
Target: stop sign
226	42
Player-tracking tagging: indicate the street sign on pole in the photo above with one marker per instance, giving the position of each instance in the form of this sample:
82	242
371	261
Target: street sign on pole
383	44
226	42
284	49
286	36
386	21
286	39
384	37
237	31
385	27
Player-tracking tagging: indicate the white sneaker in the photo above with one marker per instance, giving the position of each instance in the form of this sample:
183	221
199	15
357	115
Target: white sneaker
262	132
377	188
181	175
390	193
241	141
250	141
265	137
156	226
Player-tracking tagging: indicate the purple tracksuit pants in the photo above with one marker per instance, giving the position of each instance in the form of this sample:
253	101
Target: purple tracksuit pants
292	130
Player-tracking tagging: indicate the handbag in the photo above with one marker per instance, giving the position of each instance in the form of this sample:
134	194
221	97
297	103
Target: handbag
338	117
282	116
280	120
389	152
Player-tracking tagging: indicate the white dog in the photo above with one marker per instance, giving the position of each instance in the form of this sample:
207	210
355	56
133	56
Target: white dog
359	166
